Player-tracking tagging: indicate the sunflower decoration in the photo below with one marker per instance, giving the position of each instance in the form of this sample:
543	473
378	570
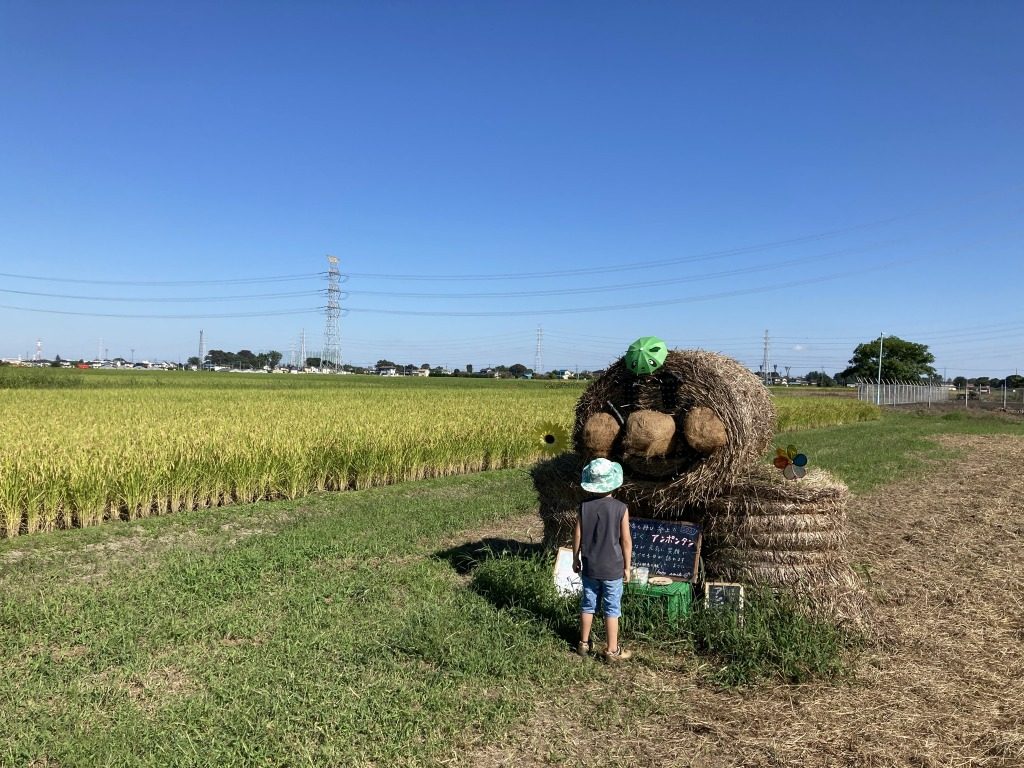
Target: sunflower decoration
792	463
552	438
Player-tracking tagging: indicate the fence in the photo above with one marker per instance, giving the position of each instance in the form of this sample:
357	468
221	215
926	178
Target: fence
901	393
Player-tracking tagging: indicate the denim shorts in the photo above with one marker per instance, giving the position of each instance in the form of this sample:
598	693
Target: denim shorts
610	591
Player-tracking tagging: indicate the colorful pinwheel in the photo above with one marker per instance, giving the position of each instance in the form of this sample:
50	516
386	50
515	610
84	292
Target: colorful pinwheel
553	439
792	463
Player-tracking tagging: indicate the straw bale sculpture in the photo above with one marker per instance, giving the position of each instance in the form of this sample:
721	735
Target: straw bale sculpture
691	433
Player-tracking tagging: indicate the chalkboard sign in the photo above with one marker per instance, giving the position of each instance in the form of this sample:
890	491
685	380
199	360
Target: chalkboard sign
666	547
720	594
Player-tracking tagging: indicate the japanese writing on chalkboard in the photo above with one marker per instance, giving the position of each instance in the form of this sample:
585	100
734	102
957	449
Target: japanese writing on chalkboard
666	547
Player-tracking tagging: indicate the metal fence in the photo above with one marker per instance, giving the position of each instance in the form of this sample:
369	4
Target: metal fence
901	392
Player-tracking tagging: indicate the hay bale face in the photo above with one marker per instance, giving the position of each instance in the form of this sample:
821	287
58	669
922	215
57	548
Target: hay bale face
683	433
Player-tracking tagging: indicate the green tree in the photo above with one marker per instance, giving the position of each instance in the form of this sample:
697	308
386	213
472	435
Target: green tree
901	360
819	379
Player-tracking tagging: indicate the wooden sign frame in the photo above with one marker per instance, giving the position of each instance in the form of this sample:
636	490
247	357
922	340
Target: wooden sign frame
727	584
653	568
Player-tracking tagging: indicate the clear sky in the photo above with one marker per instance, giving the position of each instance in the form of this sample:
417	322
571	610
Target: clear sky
700	172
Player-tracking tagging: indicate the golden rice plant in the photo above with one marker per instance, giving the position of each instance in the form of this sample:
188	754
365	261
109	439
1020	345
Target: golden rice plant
179	441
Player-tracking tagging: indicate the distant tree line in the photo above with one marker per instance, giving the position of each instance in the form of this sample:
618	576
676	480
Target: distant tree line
244	358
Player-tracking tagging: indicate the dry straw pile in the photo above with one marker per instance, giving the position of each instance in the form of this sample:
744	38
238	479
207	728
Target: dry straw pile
688	381
778	533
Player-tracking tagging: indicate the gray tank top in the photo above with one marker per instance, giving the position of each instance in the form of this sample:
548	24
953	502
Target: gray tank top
600	545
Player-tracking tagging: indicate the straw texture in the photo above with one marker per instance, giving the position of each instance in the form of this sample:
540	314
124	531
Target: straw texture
689	379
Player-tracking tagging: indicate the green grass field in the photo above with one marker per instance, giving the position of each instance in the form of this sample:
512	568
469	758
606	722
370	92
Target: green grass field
335	629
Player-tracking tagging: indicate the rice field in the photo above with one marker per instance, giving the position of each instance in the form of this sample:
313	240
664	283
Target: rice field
81	447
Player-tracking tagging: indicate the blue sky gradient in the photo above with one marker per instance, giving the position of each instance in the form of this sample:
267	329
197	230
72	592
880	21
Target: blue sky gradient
821	171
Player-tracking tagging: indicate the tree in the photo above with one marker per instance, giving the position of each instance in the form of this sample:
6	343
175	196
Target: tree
469	368
517	370
819	379
194	360
385	364
959	382
901	360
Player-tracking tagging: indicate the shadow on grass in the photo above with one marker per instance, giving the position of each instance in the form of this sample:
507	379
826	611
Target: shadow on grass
513	575
465	558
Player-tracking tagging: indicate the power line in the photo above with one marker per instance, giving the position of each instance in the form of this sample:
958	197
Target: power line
705	256
642	305
239	281
166	317
619	287
178	299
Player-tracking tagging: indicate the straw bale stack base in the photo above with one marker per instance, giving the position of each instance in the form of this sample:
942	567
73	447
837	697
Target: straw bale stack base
790	535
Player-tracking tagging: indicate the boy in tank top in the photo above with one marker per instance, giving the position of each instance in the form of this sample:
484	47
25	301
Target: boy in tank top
601	553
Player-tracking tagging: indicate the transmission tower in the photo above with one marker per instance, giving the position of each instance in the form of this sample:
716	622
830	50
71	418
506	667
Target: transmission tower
39	350
331	356
538	357
202	352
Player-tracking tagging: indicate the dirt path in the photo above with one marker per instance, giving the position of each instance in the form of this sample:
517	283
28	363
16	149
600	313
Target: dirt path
942	684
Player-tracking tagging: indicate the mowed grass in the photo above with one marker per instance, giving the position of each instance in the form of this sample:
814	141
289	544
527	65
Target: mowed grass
78	448
334	631
320	633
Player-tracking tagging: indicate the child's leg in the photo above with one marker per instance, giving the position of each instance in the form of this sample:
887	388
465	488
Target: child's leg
586	621
588	607
612	603
612	629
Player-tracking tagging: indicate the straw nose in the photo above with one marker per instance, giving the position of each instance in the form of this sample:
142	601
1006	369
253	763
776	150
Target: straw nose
648	434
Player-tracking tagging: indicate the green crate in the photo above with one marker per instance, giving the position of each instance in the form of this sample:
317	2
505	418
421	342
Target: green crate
672	601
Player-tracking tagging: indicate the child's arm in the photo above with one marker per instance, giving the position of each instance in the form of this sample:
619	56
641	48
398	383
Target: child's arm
626	540
577	537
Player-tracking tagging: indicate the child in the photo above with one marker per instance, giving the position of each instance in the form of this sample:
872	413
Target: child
602	538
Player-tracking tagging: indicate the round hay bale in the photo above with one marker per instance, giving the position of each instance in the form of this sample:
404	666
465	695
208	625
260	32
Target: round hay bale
599	434
557	482
648	434
703	430
724	397
774	533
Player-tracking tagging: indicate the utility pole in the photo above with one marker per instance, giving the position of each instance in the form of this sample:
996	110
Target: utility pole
764	360
302	350
538	357
878	393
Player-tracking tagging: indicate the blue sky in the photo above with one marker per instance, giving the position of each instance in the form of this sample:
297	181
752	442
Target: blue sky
603	171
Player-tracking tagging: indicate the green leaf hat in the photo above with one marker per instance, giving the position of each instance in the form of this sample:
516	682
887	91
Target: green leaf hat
646	355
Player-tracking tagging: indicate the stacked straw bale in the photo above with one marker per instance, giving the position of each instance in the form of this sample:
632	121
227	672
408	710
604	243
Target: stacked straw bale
688	379
770	532
557	481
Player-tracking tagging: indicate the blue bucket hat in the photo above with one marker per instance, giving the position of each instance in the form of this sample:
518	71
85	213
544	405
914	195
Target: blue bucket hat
602	476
